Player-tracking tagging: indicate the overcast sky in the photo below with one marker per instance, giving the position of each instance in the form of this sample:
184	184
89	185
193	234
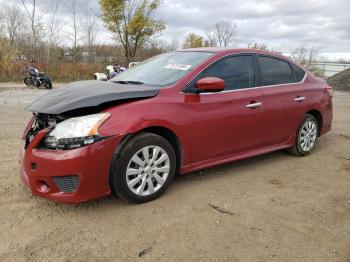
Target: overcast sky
280	24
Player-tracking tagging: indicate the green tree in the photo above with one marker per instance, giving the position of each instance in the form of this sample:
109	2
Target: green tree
132	22
193	40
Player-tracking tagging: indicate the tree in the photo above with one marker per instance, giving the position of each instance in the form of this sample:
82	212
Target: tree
89	24
54	25
193	41
223	33
132	22
73	7
263	46
174	43
36	27
211	37
13	22
258	46
2	18
306	56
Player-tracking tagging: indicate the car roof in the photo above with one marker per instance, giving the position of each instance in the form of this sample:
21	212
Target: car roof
221	50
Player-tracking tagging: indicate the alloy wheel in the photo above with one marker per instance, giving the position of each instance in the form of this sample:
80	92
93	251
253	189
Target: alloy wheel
308	135
147	170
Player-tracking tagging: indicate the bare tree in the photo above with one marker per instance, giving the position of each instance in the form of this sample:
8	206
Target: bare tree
174	43
13	22
73	7
30	7
168	45
54	25
2	20
256	45
89	28
225	33
306	56
211	37
222	33
158	45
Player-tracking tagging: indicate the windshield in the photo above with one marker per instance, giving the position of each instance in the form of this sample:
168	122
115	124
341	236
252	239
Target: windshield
162	70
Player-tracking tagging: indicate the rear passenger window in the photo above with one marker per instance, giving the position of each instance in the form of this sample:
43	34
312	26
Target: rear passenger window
237	71
274	71
299	73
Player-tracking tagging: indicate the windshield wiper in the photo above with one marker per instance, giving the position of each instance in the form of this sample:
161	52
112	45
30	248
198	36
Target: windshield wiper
128	82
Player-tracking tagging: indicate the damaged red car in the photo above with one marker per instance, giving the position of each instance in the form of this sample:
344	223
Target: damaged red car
174	113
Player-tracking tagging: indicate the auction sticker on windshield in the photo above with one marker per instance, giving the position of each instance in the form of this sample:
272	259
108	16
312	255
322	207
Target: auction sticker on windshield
178	67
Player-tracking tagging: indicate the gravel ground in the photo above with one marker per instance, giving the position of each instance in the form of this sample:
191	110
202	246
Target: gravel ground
276	207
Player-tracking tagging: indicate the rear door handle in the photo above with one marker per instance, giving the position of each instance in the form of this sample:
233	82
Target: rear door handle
254	105
299	98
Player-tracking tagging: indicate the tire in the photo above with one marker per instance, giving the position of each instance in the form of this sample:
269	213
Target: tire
142	181
36	83
48	84
27	81
304	146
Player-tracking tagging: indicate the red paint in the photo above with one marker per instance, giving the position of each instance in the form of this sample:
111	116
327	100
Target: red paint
211	83
211	129
90	163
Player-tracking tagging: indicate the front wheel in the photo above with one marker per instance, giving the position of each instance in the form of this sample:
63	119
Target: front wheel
47	84
306	136
143	169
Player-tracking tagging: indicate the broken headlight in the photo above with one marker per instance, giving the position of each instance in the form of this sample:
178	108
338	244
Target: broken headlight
75	132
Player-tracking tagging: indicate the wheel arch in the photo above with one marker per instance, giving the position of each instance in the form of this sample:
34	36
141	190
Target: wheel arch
171	137
317	114
162	131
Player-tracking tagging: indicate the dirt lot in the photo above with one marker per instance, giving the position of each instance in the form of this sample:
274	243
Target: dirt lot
283	208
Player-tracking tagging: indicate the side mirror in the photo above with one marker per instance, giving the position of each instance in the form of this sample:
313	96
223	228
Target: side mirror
210	84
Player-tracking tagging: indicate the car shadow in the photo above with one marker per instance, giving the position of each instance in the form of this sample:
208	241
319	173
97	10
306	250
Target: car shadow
233	167
203	176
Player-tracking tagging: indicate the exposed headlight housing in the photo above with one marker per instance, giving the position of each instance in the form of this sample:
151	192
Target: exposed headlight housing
75	132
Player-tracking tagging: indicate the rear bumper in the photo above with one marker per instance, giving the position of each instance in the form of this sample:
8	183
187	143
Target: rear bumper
90	163
327	116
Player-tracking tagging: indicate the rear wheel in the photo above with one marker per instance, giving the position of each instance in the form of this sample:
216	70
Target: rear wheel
27	81
306	136
144	168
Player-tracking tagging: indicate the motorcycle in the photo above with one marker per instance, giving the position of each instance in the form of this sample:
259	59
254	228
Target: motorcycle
35	78
117	69
111	71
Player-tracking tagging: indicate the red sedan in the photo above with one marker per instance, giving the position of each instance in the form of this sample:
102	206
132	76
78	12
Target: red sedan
174	113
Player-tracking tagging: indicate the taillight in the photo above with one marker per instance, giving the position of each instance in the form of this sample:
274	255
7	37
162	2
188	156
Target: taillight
329	90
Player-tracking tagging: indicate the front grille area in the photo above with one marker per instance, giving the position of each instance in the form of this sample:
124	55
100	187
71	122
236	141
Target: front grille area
66	184
40	122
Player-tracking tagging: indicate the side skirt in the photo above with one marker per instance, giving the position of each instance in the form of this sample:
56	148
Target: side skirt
234	157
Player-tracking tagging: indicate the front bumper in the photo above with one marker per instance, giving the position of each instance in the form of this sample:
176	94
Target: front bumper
91	164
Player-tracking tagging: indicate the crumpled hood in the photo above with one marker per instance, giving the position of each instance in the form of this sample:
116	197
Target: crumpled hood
88	94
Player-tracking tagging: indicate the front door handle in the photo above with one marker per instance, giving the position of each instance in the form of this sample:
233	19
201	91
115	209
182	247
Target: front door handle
299	98
254	105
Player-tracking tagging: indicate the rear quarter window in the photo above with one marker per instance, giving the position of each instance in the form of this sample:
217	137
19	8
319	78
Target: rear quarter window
299	73
274	71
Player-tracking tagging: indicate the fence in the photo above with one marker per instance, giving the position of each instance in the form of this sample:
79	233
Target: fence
331	68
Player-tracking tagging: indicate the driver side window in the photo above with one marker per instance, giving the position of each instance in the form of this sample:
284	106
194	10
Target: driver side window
236	71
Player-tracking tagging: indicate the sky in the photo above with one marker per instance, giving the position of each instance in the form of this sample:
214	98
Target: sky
282	25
